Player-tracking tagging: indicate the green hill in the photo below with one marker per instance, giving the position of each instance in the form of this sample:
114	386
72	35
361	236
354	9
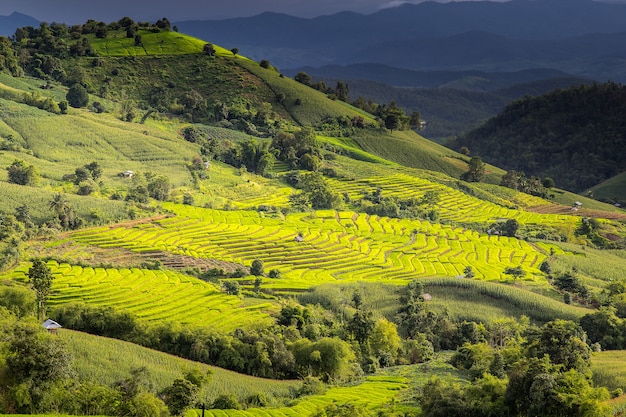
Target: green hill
207	206
575	136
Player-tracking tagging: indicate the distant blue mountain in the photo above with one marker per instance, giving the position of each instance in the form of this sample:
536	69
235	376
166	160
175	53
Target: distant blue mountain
481	35
8	24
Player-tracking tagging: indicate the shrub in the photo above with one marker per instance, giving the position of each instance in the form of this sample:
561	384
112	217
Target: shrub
77	96
226	402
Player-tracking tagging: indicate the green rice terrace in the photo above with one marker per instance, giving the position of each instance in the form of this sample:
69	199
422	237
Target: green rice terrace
209	232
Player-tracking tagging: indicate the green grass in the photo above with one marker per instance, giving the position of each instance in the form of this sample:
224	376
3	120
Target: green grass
104	361
313	105
613	188
484	301
411	150
162	43
462	298
609	369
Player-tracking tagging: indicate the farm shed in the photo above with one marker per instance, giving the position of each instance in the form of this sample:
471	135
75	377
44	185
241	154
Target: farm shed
51	326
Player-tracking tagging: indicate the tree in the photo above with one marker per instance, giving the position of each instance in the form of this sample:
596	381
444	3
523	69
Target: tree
33	362
81	174
180	396
159	188
18	300
564	342
342	90
231	287
95	170
303	78
361	326
208	49
468	272
226	402
317	193
21	174
257	268
476	170
415	120
40	277
63	209
77	96
510	228
235	51
548	182
385	339
392	121
516	272
328	358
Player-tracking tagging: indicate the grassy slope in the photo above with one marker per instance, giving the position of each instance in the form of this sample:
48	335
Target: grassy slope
93	354
612	189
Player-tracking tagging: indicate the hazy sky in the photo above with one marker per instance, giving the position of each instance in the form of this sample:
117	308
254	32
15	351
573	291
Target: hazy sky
78	11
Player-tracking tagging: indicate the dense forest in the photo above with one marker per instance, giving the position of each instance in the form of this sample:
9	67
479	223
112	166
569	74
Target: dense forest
575	136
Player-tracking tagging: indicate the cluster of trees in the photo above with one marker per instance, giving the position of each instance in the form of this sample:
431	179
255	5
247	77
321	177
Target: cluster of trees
255	119
148	185
533	186
340	92
86	178
314	193
15	228
526	371
22	174
411	208
390	116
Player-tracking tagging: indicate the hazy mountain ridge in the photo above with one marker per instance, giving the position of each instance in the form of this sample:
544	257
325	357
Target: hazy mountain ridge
8	24
526	33
450	102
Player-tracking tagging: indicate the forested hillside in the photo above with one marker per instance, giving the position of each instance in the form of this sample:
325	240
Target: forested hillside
575	136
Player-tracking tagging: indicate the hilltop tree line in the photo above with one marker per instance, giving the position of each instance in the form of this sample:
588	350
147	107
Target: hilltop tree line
390	116
574	136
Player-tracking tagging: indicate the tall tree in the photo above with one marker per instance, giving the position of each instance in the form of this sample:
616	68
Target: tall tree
475	171
41	277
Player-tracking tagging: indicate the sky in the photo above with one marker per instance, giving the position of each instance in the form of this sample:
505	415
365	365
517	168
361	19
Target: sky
79	11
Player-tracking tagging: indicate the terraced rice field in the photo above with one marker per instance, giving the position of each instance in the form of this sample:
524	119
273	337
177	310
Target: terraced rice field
336	246
159	295
454	205
373	393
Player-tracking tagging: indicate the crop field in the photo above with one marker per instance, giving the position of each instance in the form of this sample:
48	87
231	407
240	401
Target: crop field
454	205
336	246
609	369
373	393
475	300
159	295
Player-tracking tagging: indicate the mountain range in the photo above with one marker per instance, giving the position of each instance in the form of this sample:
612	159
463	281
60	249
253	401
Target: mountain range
580	37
